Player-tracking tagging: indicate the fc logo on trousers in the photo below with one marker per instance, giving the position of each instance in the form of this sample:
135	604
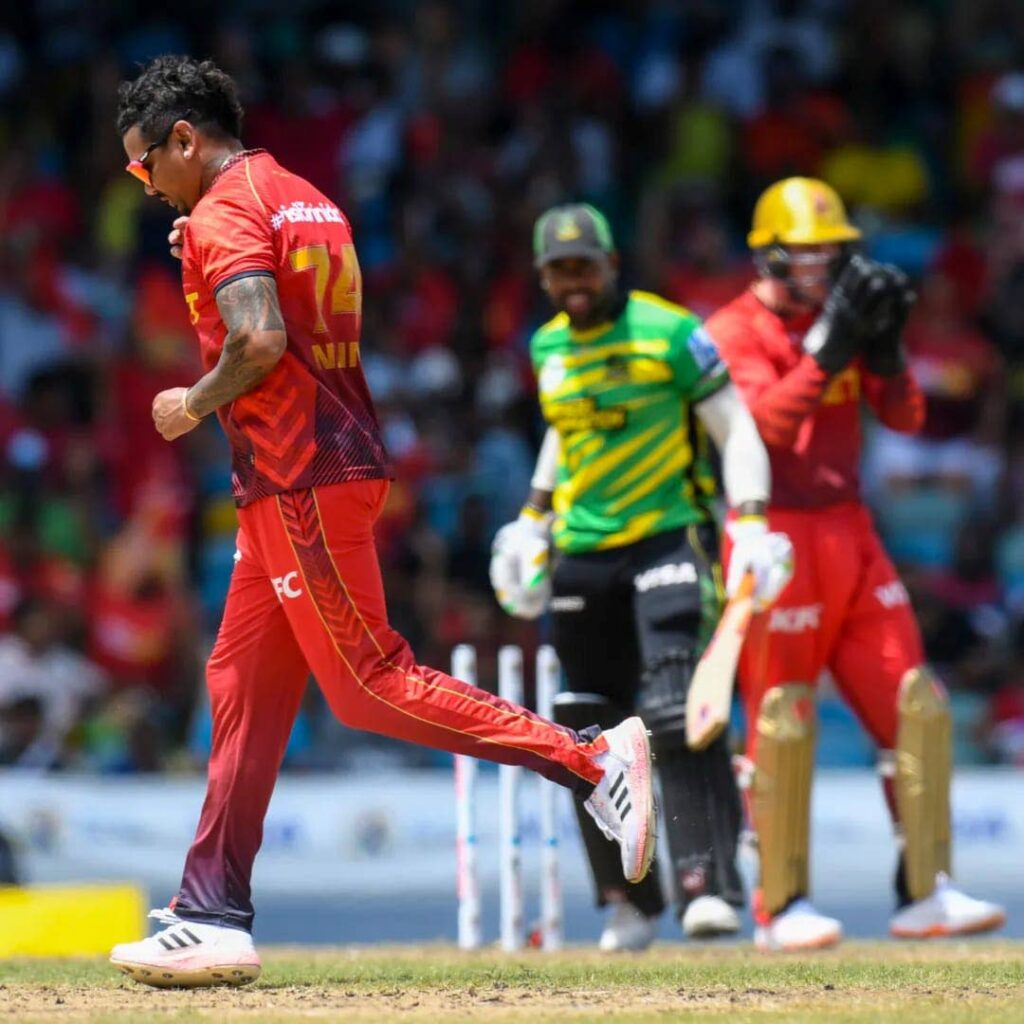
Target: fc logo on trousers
284	586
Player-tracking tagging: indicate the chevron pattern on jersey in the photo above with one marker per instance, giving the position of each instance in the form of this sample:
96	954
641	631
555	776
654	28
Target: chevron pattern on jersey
302	521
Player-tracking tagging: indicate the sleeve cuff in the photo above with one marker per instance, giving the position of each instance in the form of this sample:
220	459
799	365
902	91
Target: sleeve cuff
237	275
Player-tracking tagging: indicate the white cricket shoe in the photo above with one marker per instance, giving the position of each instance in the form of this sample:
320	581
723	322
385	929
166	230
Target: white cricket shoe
622	803
947	911
707	917
627	930
799	927
189	954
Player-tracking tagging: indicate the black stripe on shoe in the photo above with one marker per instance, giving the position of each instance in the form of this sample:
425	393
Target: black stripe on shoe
198	941
625	810
622	798
178	939
619	779
163	942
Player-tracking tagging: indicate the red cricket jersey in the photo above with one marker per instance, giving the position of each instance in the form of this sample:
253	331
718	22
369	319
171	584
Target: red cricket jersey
311	421
810	424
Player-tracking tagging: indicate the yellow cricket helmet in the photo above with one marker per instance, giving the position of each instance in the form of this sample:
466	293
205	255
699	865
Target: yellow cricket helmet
800	211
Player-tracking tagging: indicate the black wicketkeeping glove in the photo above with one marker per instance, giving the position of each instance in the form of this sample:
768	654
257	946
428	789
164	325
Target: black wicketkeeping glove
840	331
883	348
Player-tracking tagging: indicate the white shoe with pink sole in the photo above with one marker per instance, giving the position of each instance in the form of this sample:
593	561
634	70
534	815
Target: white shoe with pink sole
622	804
188	954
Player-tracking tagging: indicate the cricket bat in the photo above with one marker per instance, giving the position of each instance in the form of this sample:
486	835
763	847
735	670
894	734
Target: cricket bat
710	698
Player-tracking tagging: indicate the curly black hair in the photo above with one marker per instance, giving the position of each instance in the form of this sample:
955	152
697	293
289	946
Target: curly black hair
174	87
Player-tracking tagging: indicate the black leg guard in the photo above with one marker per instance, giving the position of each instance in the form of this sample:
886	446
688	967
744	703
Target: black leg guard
702	815
700	801
579	710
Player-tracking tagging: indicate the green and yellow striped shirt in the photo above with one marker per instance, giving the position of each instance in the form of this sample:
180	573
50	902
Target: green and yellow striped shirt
632	459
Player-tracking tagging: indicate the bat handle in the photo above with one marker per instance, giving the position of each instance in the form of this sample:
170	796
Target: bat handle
746	587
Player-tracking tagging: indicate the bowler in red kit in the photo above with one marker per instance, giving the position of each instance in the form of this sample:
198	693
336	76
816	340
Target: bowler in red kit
808	344
273	288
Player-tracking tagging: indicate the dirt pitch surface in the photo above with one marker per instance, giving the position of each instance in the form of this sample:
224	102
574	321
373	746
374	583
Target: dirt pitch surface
860	982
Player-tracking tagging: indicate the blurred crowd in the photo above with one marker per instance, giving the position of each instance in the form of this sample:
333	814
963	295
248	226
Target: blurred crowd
443	128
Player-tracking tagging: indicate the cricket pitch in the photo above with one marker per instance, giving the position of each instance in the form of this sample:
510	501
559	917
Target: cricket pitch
875	982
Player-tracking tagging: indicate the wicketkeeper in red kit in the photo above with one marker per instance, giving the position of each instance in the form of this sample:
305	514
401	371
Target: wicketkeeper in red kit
808	344
272	283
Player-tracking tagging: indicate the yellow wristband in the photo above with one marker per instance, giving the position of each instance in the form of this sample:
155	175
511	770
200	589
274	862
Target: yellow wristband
530	512
185	409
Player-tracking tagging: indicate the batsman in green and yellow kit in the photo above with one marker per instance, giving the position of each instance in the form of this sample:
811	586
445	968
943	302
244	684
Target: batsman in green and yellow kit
631	386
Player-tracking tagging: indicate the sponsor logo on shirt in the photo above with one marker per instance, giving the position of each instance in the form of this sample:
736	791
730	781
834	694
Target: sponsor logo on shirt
583	414
616	368
704	350
285	586
893	594
567	604
301	212
795	620
665	576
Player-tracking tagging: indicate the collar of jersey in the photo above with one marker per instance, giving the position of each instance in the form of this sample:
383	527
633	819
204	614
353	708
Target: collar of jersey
233	161
590	333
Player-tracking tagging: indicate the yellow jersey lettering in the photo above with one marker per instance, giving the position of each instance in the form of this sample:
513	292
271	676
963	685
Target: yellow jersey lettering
582	414
325	356
193	310
336	356
843	388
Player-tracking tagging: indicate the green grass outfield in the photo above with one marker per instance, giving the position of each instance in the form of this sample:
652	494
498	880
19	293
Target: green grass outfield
860	982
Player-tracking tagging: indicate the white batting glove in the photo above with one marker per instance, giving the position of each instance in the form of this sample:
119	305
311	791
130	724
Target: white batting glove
768	556
520	570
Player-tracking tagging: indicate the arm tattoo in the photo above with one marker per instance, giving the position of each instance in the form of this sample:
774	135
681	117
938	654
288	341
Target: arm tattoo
249	308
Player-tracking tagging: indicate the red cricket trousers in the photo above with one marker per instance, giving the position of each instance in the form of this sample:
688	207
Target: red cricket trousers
845	609
306	595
